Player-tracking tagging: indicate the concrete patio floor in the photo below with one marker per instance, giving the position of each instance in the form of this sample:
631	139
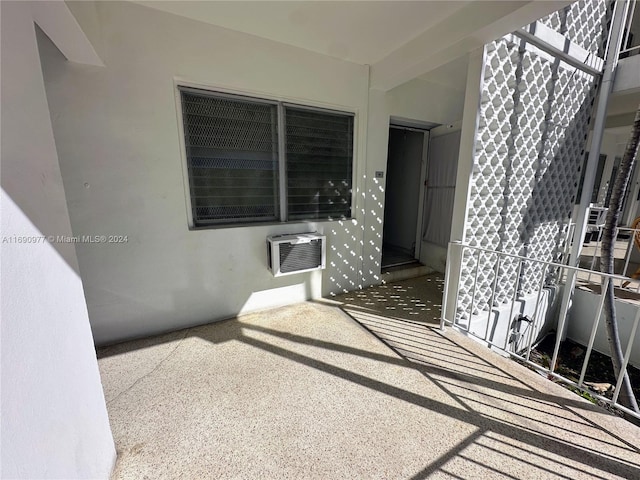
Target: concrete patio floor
307	391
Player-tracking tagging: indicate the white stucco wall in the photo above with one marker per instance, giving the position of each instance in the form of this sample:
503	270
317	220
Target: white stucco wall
426	101
377	143
581	318
54	420
627	72
118	137
610	149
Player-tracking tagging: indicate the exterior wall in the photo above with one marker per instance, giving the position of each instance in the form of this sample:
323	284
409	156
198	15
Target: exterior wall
54	420
372	215
529	146
423	100
118	139
585	305
627	73
514	335
426	101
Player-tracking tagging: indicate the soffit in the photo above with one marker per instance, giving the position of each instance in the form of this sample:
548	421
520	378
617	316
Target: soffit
359	31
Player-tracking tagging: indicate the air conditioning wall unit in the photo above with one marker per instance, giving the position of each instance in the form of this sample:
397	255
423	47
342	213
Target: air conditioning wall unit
302	252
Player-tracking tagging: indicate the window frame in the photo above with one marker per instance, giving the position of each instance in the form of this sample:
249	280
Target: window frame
281	104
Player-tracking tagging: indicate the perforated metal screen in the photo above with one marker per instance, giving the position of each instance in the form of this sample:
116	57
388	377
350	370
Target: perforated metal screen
319	150
237	173
232	155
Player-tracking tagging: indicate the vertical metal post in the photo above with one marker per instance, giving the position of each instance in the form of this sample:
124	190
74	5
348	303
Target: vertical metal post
595	254
445	293
455	302
627	355
282	164
473	290
615	244
561	322
606	286
535	311
627	255
513	303
493	296
275	157
452	284
567	242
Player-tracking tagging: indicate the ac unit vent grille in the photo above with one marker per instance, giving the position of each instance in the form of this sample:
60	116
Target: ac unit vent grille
302	256
300	252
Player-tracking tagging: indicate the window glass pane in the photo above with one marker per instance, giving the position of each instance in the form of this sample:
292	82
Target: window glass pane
319	156
232	156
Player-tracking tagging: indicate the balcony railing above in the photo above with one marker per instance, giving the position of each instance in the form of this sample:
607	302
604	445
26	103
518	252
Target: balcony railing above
631	39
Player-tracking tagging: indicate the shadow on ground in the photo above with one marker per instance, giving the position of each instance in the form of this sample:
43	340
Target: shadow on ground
417	299
305	392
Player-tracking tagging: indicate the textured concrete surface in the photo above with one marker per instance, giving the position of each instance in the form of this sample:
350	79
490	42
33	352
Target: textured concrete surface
305	392
417	299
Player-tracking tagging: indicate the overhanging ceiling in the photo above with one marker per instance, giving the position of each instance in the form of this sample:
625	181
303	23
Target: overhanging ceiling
401	40
358	31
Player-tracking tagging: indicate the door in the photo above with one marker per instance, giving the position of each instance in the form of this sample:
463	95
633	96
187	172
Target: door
402	195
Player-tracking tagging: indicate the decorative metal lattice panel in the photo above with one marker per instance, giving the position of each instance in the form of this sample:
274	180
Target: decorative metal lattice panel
533	123
583	22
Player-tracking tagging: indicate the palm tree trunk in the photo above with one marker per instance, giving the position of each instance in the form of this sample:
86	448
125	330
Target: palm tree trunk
620	185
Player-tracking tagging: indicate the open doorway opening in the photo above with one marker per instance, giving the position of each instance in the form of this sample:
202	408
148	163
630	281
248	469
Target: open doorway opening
404	195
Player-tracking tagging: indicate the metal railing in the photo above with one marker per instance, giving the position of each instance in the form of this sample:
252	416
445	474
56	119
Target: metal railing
491	259
628	49
624	245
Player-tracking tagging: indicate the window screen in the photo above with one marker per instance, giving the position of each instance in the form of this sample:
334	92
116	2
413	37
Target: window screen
319	155
235	165
232	156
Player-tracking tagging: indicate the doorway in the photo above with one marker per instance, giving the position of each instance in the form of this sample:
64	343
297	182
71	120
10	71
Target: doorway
404	192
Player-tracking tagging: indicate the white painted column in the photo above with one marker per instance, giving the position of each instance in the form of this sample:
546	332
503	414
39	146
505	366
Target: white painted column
372	196
54	417
466	160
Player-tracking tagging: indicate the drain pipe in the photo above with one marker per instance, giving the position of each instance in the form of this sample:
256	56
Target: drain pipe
611	62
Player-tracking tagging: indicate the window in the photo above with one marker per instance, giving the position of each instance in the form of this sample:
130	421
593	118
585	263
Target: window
252	160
